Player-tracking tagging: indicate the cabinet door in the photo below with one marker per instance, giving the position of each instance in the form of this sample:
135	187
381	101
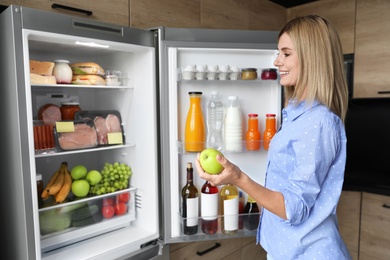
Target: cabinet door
114	11
340	13
372	58
375	227
348	214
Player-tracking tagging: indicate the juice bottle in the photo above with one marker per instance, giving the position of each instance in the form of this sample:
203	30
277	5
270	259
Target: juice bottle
253	134
195	131
270	129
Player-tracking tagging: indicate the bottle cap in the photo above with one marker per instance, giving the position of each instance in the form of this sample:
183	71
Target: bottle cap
189	165
39	177
251	200
270	115
253	115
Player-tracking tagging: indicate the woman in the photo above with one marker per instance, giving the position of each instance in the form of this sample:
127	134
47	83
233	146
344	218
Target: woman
306	158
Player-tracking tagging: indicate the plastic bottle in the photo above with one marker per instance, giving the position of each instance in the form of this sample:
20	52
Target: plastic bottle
253	133
229	209
270	130
215	113
241	210
195	131
252	217
190	206
233	126
209	208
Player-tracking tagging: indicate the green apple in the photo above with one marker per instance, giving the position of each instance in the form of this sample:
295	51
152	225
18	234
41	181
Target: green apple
80	188
208	161
93	177
78	172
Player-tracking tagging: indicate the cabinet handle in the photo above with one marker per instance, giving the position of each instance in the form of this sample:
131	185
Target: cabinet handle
386	206
209	249
69	8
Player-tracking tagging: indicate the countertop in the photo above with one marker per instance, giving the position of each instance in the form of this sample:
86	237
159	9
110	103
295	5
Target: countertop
377	182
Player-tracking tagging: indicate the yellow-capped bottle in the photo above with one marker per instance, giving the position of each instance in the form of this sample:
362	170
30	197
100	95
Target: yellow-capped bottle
229	209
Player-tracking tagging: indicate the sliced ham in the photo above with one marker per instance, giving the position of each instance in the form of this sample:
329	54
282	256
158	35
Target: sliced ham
49	114
101	129
84	136
113	123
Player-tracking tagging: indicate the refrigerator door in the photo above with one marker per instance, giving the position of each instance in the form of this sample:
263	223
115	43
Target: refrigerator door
29	34
179	48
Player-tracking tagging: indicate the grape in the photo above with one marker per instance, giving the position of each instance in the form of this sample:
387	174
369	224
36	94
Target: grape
115	177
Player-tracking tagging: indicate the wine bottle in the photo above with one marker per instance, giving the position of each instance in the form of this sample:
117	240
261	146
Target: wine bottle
209	208
229	209
241	209
190	207
252	216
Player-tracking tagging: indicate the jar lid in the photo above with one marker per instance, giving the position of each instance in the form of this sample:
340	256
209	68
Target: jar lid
70	103
61	61
270	70
253	115
270	115
39	177
249	69
195	93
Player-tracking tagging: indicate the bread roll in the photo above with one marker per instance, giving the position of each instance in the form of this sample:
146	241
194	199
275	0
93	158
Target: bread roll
87	68
88	80
44	68
36	79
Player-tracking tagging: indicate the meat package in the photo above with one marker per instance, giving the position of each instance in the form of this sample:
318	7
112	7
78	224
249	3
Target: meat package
83	136
108	125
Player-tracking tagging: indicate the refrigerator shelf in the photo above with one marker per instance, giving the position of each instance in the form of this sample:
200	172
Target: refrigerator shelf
81	86
181	148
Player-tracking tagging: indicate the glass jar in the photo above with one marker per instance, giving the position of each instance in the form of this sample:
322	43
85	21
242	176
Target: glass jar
68	110
62	72
269	74
249	74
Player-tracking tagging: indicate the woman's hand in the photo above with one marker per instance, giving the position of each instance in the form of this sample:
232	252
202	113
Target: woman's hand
230	174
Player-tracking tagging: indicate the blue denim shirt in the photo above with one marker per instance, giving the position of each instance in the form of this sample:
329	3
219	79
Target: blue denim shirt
306	162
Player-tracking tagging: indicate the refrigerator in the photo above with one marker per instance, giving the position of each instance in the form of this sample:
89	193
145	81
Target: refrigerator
152	103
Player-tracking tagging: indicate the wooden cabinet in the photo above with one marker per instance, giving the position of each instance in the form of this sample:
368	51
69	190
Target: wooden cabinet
114	11
372	57
375	227
227	249
348	214
340	13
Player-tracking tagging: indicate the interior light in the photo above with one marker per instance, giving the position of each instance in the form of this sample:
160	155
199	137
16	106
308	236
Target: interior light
92	44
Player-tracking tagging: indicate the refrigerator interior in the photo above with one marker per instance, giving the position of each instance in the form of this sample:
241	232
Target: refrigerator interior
255	96
135	101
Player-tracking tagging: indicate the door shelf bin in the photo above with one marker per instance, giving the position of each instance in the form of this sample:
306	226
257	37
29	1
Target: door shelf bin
70	222
244	148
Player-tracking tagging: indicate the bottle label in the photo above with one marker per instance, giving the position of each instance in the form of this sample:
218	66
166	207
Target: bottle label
192	211
230	211
209	206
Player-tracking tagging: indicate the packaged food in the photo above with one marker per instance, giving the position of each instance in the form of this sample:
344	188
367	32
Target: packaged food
249	74
269	74
68	110
83	136
43	136
107	123
87	68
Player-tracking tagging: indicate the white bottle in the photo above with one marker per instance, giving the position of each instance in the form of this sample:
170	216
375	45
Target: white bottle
233	126
215	117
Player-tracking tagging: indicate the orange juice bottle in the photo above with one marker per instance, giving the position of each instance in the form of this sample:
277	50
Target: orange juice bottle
253	134
270	129
195	131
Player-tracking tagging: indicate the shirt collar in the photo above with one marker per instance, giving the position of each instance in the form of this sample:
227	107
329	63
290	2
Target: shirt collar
295	109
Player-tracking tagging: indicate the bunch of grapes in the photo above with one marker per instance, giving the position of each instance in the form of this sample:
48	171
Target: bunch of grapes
115	177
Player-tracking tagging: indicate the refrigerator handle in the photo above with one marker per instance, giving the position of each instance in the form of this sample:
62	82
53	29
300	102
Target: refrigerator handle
73	9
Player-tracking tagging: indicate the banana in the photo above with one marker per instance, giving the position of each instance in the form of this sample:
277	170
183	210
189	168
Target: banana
65	189
59	181
45	194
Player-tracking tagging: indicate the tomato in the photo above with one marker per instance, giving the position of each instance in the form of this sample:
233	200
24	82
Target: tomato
108	201
108	211
120	208
123	197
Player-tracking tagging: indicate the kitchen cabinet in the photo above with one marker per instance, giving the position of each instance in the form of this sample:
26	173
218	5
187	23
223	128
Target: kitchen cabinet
114	11
348	214
375	227
235	248
340	13
372	57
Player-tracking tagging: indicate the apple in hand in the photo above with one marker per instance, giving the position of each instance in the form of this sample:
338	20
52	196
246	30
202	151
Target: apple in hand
208	161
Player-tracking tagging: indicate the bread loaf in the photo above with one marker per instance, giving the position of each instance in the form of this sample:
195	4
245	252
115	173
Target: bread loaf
36	79
44	68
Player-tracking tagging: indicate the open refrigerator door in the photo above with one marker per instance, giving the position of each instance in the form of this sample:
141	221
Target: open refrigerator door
78	226
211	48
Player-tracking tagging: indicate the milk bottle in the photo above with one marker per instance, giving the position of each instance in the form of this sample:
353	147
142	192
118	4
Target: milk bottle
233	126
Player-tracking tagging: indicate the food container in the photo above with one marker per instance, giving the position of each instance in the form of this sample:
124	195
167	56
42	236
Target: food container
249	74
267	74
113	78
107	123
43	137
68	110
76	135
62	72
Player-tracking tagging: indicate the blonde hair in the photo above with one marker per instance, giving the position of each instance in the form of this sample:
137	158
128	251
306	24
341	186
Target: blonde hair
321	62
